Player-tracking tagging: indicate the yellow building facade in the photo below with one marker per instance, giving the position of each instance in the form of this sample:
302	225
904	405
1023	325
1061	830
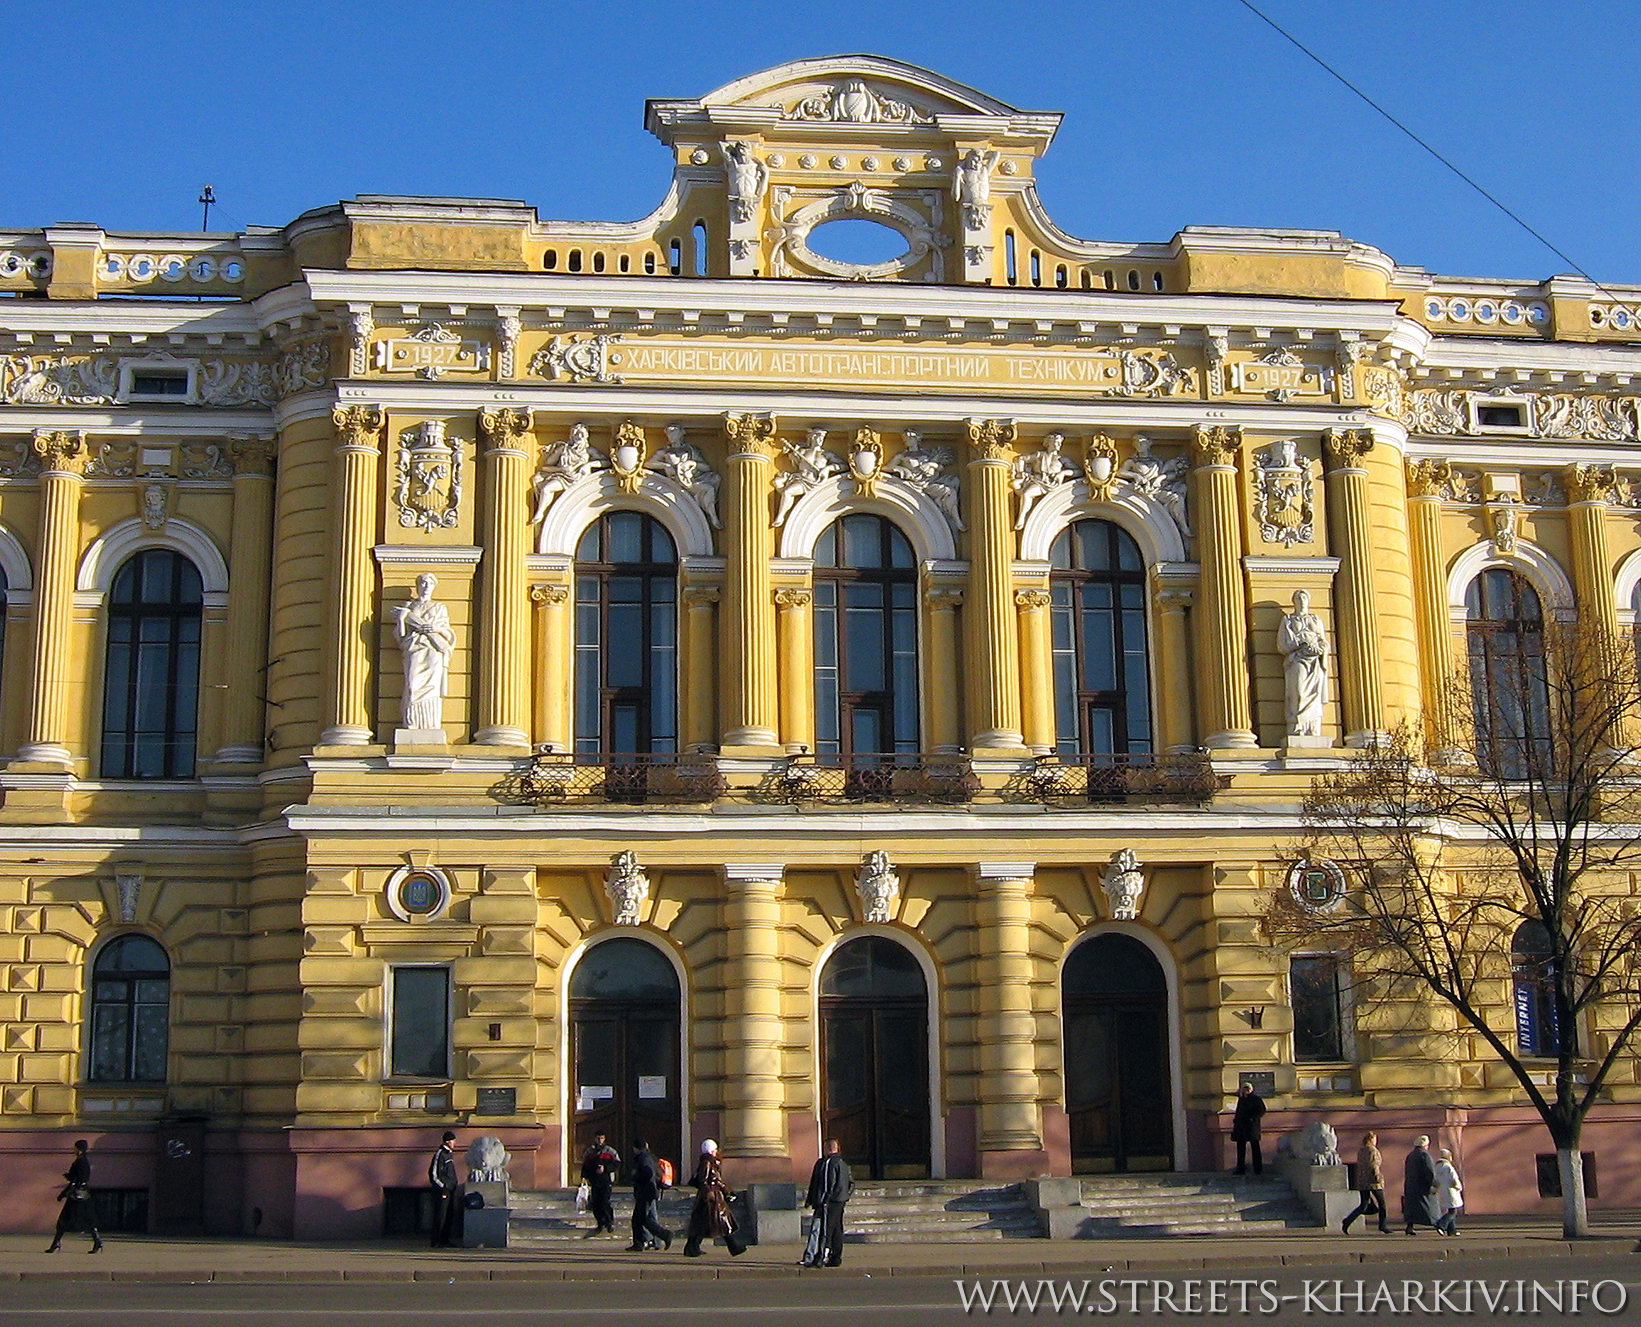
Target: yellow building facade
542	676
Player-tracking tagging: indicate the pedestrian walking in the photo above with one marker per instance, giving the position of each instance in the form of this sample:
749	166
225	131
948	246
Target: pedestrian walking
1250	1109
441	1178
1370	1183
599	1166
1449	1193
76	1212
1418	1185
711	1215
830	1185
645	1175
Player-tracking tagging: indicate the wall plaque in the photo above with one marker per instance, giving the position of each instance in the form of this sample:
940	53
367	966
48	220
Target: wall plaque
497	1101
1263	1081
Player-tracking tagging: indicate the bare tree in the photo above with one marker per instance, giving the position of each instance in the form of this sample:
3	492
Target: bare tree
1485	857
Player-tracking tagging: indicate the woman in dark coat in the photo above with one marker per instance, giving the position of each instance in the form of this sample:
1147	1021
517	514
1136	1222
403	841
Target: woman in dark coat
711	1215
1418	1185
1250	1109
76	1213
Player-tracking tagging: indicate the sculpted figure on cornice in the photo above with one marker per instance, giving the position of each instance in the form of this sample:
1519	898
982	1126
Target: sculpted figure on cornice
684	464
971	186
809	466
930	471
1164	481
852	102
747	178
1039	473
563	463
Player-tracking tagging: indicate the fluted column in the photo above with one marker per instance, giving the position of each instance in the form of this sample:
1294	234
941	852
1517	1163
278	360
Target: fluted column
62	455
754	1103
696	694
943	670
502	713
1590	488
749	673
1172	661
1426	482
1351	520
250	553
1222	624
1009	1110
796	641
1036	669
349	720
555	724
993	627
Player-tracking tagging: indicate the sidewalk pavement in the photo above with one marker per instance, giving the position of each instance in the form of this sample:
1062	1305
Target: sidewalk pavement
194	1260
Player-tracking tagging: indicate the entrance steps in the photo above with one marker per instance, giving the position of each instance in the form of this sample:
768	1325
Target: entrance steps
937	1211
1171	1203
549	1216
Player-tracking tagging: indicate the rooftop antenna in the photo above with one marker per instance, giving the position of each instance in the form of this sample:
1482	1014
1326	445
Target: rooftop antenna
207	197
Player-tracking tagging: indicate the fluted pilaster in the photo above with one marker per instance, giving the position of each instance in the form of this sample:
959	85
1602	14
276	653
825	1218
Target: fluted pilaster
796	641
1426	482
1222	624
1350	519
1171	653
63	456
993	625
696	698
349	720
1036	669
555	723
502	712
748	652
250	551
754	1115
1590	489
943	669
1009	1110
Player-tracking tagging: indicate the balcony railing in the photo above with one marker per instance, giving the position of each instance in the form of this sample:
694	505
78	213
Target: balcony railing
641	778
901	779
1126	779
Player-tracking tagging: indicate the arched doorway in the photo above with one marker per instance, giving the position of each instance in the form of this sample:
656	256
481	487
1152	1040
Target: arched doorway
624	1067
874	1015
1114	1003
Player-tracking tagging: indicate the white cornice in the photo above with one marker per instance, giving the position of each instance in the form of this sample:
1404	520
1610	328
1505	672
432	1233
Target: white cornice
1491	353
128	317
136	421
1524	453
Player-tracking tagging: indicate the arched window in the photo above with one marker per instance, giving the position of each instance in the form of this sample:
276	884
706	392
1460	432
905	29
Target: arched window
151	684
1539	1030
1505	636
1102	672
865	639
130	1012
626	636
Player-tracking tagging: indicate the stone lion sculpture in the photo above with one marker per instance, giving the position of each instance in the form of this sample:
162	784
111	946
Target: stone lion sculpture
487	1160
1319	1144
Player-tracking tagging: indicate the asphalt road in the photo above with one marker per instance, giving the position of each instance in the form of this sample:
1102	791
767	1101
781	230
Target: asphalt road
1441	1293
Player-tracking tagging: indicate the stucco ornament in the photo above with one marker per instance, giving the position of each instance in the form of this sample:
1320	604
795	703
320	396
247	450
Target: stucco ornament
487	1159
1303	641
853	102
155	501
1039	473
683	463
1284	495
1100	466
971	187
627	457
627	886
1124	884
583	359
563	463
425	643
747	179
1163	481
810	465
428	478
1505	520
878	886
866	460
930	471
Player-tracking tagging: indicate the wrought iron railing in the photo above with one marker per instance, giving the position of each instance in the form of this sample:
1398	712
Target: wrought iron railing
638	778
901	779
1117	779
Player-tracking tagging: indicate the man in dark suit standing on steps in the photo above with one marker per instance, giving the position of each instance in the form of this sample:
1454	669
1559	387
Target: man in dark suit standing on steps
441	1178
830	1185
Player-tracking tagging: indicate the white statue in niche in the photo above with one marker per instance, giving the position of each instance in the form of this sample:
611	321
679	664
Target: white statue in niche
1163	481
683	463
627	886
811	466
563	463
425	642
1123	883
928	470
747	178
971	186
878	886
1303	641
1039	473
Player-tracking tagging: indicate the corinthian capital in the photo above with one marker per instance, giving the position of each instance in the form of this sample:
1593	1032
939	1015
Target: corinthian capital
251	453
504	428
359	425
1429	479
1347	447
1590	483
1216	444
753	434
62	450
990	439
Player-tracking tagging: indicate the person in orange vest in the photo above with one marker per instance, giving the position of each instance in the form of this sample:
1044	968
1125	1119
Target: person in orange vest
647	1183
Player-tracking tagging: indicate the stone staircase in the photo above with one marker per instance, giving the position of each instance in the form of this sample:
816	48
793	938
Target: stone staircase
1188	1204
549	1216
937	1212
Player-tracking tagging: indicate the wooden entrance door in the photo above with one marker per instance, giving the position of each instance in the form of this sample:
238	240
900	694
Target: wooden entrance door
624	1068
1117	1068
874	1052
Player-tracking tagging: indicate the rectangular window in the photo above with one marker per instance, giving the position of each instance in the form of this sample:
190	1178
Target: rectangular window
419	1033
1316	986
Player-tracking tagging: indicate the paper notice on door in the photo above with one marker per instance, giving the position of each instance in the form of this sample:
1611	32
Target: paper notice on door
652	1088
598	1093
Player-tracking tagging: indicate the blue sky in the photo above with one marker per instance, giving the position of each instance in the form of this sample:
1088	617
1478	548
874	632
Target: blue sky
1177	112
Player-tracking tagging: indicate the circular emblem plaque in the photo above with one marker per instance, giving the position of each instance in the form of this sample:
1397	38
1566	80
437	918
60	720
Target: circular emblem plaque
1316	884
418	893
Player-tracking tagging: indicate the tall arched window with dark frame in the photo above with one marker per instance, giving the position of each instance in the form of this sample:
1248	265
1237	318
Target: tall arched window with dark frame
151	678
1509	686
130	1012
1101	654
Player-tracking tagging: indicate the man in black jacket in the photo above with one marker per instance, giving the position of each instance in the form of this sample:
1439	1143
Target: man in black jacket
599	1168
830	1185
646	1190
441	1178
1418	1183
1250	1109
